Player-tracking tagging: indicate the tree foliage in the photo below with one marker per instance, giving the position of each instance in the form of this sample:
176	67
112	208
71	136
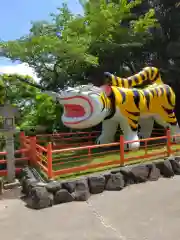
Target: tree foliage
37	110
119	36
71	48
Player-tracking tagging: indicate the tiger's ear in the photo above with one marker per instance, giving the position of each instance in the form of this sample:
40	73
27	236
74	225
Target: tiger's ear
106	89
107	78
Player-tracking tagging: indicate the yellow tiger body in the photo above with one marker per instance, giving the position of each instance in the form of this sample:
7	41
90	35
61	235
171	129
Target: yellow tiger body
148	76
86	106
151	101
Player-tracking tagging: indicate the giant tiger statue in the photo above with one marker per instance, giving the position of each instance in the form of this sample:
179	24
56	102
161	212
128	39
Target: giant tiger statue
119	102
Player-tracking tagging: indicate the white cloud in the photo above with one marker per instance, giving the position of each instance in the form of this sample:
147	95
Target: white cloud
21	69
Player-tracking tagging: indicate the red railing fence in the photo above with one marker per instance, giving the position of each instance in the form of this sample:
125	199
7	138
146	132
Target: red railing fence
21	158
70	158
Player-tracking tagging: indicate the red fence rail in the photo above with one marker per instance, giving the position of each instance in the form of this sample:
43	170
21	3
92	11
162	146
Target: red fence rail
63	155
21	156
55	162
76	139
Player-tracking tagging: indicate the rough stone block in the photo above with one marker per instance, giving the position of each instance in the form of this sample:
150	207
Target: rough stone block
39	198
165	168
107	175
175	166
114	171
28	184
96	184
26	172
127	175
69	185
177	158
53	187
154	172
115	182
62	196
140	173
81	192
171	158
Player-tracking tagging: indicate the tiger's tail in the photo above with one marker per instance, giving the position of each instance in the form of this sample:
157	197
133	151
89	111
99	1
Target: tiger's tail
147	76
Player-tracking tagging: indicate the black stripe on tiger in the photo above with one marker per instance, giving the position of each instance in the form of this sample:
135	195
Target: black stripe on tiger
147	97
156	77
123	94
173	123
122	80
136	114
169	95
151	73
168	111
143	77
113	106
157	93
130	82
116	79
147	73
136	97
162	91
152	92
136	80
134	121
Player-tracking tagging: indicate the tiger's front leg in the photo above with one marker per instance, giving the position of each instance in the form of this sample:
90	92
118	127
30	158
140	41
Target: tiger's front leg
130	130
109	128
131	136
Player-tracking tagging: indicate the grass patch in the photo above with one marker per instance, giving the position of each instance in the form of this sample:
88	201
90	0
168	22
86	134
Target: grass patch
79	158
106	168
105	157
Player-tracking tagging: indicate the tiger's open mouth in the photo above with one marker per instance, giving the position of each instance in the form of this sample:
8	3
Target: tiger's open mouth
76	109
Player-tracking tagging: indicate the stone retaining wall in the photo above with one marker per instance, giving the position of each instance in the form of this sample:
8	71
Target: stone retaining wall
42	195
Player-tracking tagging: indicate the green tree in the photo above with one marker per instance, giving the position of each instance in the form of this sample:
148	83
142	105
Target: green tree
77	48
73	49
37	110
164	48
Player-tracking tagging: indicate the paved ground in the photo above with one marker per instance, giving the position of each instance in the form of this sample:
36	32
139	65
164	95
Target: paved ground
149	211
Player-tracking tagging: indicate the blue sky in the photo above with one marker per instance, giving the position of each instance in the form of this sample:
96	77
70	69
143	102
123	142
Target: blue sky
16	16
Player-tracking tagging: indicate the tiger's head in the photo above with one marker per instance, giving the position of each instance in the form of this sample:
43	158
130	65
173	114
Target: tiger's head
84	106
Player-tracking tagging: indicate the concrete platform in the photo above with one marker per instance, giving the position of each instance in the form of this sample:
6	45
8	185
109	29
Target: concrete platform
149	211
